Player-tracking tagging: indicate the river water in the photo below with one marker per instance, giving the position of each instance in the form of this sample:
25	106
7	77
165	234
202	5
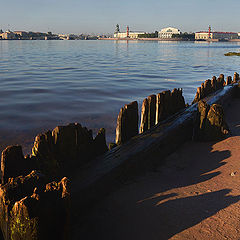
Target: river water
48	83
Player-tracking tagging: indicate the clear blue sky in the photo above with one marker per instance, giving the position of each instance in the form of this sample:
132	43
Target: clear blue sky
101	16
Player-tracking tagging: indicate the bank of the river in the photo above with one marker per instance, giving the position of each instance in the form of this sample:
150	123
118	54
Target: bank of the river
167	39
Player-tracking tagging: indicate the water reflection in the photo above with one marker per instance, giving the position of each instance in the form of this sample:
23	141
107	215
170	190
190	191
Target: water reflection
46	83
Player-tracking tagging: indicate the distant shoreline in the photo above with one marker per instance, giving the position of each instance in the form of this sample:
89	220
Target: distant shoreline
167	39
133	39
144	39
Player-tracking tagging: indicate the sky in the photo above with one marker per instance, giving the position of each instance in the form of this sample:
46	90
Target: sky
101	16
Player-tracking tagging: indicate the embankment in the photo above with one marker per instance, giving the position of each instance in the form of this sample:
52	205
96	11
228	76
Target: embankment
144	39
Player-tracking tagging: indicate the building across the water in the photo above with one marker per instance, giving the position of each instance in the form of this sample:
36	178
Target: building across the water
8	35
209	35
168	32
21	34
127	34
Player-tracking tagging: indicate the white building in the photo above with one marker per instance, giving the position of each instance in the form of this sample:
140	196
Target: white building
129	35
204	35
168	32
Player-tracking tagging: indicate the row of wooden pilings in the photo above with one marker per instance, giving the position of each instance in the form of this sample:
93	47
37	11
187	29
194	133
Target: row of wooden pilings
211	86
156	108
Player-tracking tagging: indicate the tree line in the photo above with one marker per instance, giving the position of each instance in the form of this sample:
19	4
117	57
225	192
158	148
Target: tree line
149	35
184	36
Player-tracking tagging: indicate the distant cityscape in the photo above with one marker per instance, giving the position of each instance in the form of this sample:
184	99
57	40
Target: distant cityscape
23	35
171	33
168	33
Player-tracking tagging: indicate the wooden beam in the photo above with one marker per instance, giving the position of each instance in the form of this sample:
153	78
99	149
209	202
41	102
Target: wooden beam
140	153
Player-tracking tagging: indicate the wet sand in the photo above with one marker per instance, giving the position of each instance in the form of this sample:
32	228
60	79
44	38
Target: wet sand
194	195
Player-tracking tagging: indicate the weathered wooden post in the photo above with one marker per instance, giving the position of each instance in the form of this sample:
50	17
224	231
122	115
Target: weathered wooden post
198	95
229	80
13	163
207	87
151	111
182	103
144	116
163	106
202	90
32	209
221	76
220	82
159	107
210	122
214	84
67	147
166	104
127	123
177	99
235	77
174	101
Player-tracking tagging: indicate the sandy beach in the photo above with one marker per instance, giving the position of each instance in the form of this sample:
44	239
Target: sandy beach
194	195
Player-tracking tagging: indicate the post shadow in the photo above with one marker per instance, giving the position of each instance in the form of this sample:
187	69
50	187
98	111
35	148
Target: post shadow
196	169
174	216
152	221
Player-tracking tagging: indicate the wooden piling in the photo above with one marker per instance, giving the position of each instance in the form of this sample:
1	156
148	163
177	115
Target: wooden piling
229	80
220	82
235	77
207	87
214	84
151	110
159	107
127	123
144	116
167	104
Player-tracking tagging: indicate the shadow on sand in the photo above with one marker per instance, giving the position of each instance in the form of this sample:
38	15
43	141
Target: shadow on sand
174	216
143	211
159	221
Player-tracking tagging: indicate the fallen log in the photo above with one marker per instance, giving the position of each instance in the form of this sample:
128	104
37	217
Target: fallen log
140	153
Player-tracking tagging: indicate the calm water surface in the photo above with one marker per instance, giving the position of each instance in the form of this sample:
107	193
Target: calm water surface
47	83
